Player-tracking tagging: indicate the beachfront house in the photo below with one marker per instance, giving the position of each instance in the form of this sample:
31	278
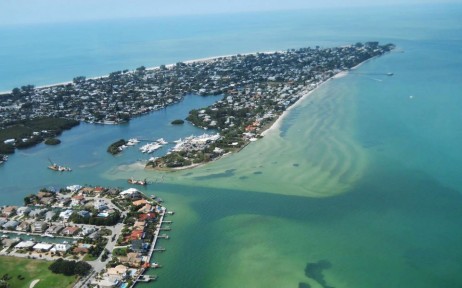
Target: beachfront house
133	259
145	209
131	193
139	202
139	246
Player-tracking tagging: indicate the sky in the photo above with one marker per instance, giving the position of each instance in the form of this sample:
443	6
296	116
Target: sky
14	12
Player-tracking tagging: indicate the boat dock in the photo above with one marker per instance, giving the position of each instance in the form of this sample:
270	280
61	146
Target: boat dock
164	236
146	278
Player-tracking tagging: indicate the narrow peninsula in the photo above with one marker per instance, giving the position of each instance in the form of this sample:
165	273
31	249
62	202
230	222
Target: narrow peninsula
257	88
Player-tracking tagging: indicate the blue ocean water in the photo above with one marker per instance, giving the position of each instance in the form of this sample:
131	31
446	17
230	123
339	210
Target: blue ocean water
387	149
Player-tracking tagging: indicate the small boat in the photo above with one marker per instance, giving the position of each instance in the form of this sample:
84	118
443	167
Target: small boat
161	141
56	167
138	182
132	142
155	265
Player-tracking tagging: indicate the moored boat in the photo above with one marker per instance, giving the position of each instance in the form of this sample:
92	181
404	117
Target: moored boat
56	167
137	182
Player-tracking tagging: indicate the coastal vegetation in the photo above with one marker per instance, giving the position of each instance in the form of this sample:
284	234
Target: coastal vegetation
69	268
177	122
27	133
52	141
93	219
114	148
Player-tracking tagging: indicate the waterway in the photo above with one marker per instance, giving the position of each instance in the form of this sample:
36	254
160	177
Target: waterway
358	187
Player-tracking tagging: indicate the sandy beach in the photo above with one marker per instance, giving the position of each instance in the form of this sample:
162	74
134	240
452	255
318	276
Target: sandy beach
199	60
305	93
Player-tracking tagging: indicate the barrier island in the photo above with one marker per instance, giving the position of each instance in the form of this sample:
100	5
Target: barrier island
256	89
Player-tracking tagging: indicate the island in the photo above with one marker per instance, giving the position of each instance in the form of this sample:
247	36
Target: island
116	147
177	122
256	89
29	131
102	235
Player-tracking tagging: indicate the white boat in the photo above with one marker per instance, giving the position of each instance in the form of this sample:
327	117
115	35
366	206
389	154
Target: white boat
132	142
48	235
150	147
161	141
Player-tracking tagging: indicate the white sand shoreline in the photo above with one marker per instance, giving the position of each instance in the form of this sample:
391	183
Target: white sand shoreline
284	114
305	93
198	60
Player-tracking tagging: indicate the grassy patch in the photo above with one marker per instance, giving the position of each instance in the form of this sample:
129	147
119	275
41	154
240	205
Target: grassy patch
31	270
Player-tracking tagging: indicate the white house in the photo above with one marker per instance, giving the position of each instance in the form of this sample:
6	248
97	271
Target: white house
23	210
9	141
62	247
42	247
66	214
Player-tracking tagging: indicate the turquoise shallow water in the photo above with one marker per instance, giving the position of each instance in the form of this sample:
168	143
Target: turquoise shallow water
358	187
